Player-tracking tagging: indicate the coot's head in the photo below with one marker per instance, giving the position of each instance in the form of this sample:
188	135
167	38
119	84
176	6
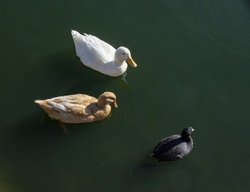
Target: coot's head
187	132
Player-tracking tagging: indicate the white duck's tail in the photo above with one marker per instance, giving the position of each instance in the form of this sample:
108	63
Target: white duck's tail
76	35
79	41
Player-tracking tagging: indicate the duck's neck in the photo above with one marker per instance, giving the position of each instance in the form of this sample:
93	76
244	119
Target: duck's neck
101	104
118	61
104	107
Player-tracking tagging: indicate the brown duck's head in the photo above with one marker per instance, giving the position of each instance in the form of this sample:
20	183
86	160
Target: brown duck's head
107	98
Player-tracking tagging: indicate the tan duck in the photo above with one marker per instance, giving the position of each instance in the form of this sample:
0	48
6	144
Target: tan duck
79	108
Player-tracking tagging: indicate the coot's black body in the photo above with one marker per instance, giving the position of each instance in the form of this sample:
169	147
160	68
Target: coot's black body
174	147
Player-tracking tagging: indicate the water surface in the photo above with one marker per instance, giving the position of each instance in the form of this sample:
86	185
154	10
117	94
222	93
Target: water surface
193	69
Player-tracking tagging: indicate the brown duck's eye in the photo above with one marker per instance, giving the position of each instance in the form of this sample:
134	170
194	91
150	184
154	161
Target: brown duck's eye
111	98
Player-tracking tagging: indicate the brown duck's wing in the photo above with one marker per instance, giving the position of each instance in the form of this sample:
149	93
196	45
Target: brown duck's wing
73	104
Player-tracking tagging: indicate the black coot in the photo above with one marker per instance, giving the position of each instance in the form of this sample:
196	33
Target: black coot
174	147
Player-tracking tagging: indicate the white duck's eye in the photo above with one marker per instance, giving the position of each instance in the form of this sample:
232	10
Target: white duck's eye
123	53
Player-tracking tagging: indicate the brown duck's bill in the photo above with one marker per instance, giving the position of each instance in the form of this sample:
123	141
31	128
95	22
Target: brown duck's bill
115	104
131	62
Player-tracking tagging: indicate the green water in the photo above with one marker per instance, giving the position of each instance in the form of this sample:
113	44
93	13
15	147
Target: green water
193	69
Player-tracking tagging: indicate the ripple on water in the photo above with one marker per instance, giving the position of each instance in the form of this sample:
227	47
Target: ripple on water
229	25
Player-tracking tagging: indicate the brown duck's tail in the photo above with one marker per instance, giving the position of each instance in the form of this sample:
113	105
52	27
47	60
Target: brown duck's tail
39	102
44	104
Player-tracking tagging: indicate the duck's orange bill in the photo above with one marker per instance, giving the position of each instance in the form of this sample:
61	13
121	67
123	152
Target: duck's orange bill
131	62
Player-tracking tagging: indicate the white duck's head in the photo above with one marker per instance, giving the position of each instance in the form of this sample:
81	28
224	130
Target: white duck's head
123	54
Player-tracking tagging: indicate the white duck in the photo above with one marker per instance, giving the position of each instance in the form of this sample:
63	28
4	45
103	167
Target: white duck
100	56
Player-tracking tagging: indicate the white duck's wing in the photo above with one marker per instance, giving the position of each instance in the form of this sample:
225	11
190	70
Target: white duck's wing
92	51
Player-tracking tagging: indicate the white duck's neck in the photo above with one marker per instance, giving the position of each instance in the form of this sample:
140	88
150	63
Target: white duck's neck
118	61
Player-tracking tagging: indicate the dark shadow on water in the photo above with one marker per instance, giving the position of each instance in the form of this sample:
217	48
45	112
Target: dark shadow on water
247	3
147	164
32	147
64	70
28	136
142	176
